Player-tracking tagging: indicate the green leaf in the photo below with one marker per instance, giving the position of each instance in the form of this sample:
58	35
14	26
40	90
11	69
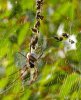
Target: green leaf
67	84
26	4
61	11
22	34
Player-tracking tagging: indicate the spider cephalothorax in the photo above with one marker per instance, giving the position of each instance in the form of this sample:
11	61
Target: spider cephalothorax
31	58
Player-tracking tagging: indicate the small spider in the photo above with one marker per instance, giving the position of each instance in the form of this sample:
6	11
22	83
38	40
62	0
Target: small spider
64	35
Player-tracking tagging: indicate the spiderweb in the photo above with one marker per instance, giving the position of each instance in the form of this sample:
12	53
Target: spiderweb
57	70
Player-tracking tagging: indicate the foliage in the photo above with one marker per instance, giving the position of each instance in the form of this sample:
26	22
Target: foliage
59	69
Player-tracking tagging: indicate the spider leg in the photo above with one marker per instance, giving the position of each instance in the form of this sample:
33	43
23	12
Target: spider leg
10	86
33	74
41	53
22	54
14	72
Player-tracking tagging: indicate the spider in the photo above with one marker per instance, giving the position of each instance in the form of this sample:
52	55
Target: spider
64	35
30	67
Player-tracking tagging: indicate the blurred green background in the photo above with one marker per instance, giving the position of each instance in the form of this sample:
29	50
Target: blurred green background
60	66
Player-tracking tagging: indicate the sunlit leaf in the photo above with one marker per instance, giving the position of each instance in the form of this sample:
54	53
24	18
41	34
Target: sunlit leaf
22	34
68	82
